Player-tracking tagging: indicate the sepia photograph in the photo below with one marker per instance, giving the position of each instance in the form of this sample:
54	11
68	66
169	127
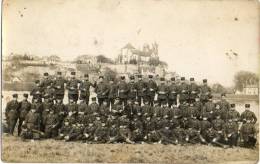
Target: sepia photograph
130	81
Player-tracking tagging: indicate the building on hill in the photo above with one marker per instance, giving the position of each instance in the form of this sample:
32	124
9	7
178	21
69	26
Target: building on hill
86	59
250	90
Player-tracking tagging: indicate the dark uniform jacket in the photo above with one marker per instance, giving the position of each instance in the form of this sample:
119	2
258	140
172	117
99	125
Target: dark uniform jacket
205	91
33	120
25	107
163	91
113	91
102	90
141	88
193	90
122	89
59	85
84	87
248	115
151	88
12	110
173	91
132	92
72	86
184	91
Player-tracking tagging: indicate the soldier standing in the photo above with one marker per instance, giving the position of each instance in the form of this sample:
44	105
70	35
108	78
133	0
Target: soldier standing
233	113
141	89
84	87
72	87
173	92
12	113
183	91
25	107
193	90
248	134
112	94
151	90
162	92
248	115
205	91
209	108
37	91
102	90
46	81
47	106
122	91
59	86
132	89
198	104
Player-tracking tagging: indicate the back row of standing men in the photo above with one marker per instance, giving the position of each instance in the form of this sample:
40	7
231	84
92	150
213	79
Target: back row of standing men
140	90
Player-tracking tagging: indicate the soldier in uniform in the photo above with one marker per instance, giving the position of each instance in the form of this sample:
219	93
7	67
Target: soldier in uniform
233	113
162	92
93	107
88	133
193	132
50	91
102	90
198	105
151	90
72	87
213	137
231	132
183	91
51	124
136	127
46	81
101	133
112	94
248	115
141	89
60	109
193	90
59	86
204	126
25	107
224	105
173	92
64	130
209	108
146	109
122	91
47	106
205	91
72	107
178	135
218	125
76	133
12	113
37	91
166	135
113	132
31	125
248	134
84	87
137	110
132	89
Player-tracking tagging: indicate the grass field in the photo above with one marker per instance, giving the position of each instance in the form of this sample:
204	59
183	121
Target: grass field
14	150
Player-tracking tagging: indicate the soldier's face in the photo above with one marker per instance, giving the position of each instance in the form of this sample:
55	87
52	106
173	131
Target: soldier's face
132	80
15	98
66	123
33	110
37	84
139	79
101	79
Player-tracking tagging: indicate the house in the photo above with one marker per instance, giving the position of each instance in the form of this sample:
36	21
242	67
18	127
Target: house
250	90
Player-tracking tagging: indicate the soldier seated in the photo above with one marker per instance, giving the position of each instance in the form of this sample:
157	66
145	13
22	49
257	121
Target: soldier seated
64	130
231	132
248	134
88	134
52	121
101	134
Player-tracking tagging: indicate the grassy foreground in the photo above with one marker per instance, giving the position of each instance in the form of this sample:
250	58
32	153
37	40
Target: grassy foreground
14	150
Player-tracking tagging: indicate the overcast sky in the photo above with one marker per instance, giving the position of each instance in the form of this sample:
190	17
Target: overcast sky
193	36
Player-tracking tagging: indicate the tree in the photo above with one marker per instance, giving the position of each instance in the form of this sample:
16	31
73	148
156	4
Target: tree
218	88
243	78
103	59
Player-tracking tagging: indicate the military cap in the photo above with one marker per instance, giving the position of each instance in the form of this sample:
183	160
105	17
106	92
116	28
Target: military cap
162	79
173	79
182	78
59	73
122	77
73	73
45	74
210	96
15	95
232	105
101	77
86	75
25	95
37	81
93	98
247	105
132	77
223	94
150	76
140	76
192	79
205	80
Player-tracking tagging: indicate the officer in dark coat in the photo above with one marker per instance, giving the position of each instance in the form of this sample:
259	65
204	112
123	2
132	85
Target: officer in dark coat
46	80
132	89
248	115
102	90
37	91
59	86
162	92
72	87
193	90
173	92
141	89
84	87
113	91
25	107
151	90
12	113
122	91
205	91
248	134
183	91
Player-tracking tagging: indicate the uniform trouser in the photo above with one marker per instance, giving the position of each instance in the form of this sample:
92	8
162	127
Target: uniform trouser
250	142
140	99
50	132
20	123
232	140
162	101
172	102
11	125
123	101
85	98
74	97
150	99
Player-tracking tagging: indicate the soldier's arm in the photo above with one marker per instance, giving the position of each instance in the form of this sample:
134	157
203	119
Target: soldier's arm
255	119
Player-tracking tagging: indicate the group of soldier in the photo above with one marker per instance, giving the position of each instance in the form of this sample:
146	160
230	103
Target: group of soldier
128	113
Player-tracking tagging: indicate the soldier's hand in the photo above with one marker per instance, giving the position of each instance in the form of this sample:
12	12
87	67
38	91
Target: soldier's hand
95	138
226	138
242	140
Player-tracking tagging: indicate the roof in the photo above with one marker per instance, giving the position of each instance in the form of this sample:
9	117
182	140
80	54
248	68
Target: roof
128	46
